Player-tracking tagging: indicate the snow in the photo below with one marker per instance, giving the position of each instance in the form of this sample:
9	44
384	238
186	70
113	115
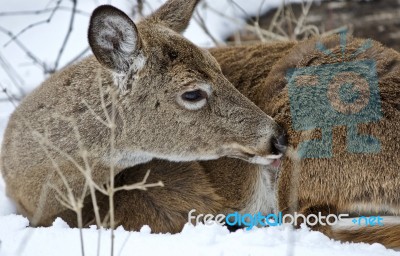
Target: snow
200	240
17	238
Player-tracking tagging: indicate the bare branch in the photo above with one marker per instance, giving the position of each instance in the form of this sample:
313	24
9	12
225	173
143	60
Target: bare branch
200	21
10	97
137	10
48	20
79	56
141	185
67	36
12	74
246	14
250	27
37	12
34	58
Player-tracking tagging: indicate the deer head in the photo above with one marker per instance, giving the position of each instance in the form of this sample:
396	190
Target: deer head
177	104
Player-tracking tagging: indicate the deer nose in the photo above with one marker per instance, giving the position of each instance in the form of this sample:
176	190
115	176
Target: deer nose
279	144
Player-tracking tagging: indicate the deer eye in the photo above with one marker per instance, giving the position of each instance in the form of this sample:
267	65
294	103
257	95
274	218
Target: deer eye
194	96
193	100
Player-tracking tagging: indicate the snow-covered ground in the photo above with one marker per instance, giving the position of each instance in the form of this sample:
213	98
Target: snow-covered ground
16	238
200	240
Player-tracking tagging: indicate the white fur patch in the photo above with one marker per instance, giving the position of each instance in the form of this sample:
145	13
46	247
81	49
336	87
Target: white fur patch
192	105
122	80
187	158
264	160
263	197
124	159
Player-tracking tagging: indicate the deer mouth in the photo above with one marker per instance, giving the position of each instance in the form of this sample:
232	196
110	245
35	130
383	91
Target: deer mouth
271	160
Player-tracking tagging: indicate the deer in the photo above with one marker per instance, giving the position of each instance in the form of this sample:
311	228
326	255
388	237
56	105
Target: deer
146	93
350	183
358	184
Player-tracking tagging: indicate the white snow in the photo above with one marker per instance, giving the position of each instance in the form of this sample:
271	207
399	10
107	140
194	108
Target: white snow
16	238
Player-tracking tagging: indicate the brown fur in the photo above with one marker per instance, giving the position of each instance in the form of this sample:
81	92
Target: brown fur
388	236
149	66
165	208
334	185
187	186
338	184
346	180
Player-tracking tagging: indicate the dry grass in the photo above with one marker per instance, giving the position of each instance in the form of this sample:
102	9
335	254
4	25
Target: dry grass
285	24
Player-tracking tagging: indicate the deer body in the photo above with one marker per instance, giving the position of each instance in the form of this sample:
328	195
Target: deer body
359	184
226	184
147	93
346	183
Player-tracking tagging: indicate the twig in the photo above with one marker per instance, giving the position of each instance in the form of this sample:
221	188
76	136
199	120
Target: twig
67	36
81	169
335	31
276	16
12	74
300	23
48	20
140	185
257	22
246	14
200	21
111	190
10	98
250	27
37	12
77	57
138	9
35	59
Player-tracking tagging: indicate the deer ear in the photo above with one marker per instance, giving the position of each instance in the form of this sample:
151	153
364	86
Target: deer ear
174	14
114	38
